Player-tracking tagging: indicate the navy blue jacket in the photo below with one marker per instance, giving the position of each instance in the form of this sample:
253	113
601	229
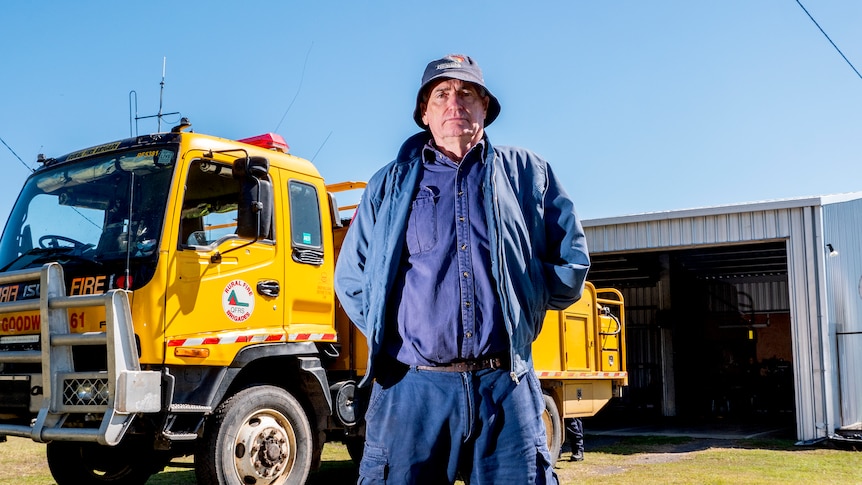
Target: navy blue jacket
538	251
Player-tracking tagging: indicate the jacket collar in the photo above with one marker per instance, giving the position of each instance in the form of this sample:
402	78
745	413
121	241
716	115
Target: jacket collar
411	149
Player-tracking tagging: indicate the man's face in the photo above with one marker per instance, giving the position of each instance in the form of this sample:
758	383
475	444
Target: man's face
455	109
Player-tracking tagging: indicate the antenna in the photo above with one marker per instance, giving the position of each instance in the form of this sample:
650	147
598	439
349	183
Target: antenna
301	77
159	115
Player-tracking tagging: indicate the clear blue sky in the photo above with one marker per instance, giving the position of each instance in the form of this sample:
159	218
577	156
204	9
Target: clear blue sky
639	106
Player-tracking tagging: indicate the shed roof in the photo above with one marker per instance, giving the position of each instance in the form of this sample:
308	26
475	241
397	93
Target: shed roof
776	204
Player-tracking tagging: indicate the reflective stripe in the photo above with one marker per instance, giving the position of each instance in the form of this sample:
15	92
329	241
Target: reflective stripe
580	374
273	337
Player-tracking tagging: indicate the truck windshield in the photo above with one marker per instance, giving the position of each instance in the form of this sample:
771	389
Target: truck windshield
103	208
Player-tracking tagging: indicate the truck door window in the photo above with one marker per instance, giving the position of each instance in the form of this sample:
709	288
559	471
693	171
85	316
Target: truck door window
305	229
210	204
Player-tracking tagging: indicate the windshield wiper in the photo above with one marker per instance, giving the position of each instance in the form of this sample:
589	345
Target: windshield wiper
43	255
34	252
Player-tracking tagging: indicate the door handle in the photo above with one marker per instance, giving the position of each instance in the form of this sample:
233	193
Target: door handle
268	288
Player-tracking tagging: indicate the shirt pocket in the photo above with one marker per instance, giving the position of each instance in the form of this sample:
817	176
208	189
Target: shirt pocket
422	226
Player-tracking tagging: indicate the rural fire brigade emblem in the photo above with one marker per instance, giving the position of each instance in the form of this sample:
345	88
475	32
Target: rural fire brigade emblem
237	300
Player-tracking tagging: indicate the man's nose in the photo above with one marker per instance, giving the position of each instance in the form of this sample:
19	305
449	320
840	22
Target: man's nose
455	102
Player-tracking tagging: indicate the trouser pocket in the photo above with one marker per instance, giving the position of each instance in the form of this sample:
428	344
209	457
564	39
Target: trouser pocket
374	465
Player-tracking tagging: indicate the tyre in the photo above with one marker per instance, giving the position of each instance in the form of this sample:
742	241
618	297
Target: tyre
76	463
553	427
259	435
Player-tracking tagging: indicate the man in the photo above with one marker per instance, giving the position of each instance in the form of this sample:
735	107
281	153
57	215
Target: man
456	251
575	434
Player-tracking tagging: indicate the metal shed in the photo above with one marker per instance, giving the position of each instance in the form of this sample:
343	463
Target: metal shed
743	310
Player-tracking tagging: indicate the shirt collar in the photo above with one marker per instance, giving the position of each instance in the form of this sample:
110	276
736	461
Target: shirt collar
431	154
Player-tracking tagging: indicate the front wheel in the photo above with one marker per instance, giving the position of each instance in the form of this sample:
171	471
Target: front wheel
259	435
553	427
76	463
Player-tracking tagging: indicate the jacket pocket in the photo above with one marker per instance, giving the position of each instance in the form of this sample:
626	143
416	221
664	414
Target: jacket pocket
422	226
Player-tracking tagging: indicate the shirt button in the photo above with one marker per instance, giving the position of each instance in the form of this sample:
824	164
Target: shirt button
469	334
463	247
466	274
461	219
467	304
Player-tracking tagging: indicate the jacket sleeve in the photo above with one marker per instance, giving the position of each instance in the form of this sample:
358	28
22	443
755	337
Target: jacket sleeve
350	281
567	261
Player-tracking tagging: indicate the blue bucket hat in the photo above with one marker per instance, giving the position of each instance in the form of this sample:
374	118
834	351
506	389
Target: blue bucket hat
455	66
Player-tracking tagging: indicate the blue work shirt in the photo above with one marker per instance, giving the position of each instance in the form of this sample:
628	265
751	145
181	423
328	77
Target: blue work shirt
443	301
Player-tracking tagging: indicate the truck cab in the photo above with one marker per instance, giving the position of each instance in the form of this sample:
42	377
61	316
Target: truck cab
165	295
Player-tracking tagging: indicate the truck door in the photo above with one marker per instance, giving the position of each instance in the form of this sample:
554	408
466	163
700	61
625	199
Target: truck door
309	294
223	289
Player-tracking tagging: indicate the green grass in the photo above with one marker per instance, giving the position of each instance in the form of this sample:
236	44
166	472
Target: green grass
608	461
662	460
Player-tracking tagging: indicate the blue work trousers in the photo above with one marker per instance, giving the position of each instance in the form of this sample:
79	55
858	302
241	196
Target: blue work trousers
431	427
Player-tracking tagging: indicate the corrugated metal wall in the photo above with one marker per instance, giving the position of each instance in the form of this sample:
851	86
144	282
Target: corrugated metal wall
696	230
766	296
812	376
843	230
796	222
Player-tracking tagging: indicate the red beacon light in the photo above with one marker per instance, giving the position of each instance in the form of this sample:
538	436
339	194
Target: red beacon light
270	141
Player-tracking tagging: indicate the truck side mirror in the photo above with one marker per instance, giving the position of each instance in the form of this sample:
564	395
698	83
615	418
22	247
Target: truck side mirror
254	214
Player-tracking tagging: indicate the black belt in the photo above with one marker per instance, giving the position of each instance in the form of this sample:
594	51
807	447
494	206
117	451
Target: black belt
468	365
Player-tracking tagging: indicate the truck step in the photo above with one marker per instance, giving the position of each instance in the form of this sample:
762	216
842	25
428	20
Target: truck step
190	408
180	436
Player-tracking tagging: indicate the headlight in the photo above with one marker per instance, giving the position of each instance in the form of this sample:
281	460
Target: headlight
86	392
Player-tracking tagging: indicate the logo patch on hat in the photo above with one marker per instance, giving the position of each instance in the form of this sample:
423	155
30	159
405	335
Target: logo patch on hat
456	63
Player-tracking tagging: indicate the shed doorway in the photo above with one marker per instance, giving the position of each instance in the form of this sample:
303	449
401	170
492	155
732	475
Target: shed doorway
708	332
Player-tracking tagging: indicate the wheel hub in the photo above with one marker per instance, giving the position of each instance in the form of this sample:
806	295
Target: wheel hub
271	449
262	449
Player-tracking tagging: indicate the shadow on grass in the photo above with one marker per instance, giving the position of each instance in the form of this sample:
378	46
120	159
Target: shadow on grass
630	445
173	477
331	472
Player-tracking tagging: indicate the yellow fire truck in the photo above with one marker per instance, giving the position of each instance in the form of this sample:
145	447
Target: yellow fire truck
172	294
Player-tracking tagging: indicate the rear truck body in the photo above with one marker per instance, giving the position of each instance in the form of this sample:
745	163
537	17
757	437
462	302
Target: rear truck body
579	358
